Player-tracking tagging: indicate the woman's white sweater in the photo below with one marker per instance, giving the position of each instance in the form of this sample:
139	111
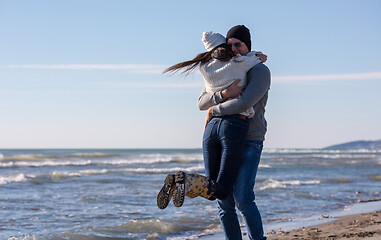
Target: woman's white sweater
219	75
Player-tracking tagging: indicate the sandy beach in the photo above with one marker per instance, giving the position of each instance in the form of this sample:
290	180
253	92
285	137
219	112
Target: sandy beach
360	226
365	226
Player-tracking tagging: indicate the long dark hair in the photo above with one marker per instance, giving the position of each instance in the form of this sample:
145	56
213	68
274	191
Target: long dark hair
221	52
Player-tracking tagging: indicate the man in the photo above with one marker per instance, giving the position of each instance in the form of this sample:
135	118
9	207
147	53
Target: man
220	104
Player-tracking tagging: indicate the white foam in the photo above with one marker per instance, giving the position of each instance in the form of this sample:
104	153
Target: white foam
44	163
199	167
344	155
19	177
89	172
57	175
272	183
136	161
291	150
39	161
264	165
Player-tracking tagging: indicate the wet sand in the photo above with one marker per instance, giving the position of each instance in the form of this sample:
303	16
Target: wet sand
366	226
361	226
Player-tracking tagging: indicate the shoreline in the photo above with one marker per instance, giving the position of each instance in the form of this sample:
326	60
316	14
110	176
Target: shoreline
358	226
358	221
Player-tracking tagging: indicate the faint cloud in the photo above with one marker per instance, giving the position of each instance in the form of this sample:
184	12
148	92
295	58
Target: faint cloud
178	85
135	68
354	76
158	69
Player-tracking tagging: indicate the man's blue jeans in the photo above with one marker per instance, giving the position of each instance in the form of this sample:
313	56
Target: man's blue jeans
243	197
223	143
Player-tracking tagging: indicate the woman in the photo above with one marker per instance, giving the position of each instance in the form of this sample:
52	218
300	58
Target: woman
224	136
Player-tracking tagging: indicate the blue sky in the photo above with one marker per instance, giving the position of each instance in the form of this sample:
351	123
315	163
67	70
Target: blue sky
87	74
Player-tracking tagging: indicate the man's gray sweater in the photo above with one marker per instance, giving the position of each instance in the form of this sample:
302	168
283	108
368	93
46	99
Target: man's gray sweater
255	94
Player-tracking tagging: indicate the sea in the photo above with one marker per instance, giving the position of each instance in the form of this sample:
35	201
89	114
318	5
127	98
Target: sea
111	193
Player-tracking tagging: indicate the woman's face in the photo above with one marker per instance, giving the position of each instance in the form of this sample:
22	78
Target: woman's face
237	46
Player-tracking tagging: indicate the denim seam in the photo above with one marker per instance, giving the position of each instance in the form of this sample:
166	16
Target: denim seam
210	133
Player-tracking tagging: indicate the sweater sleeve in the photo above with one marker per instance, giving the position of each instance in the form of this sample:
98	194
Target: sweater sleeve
258	84
207	100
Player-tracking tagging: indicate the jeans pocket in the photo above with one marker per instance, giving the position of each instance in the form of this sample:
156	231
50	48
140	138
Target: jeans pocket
208	130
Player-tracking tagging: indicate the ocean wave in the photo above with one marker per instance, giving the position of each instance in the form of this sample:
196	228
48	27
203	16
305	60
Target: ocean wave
138	161
172	157
60	175
26	157
77	162
339	180
144	226
376	178
19	177
309	151
57	175
290	150
42	161
197	168
47	178
93	155
272	183
264	165
47	163
138	229
360	156
90	172
210	231
152	159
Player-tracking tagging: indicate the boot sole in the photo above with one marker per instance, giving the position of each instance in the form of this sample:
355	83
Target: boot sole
165	194
179	193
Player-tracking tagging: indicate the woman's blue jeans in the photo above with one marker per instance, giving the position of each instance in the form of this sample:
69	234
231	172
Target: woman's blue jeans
243	197
223	143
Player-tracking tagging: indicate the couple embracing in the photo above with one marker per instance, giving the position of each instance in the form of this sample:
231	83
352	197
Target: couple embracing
235	95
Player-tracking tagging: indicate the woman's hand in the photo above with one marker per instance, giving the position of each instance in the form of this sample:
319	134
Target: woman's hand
262	56
209	116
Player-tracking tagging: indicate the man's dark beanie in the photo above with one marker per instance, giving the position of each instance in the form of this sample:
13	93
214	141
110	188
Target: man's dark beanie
240	32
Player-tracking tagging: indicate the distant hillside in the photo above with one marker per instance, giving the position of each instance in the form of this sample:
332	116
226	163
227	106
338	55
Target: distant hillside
356	145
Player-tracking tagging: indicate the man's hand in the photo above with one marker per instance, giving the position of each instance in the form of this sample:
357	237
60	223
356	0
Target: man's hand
232	91
262	56
208	117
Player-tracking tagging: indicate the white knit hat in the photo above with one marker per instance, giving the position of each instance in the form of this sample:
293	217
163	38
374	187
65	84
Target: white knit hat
212	39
